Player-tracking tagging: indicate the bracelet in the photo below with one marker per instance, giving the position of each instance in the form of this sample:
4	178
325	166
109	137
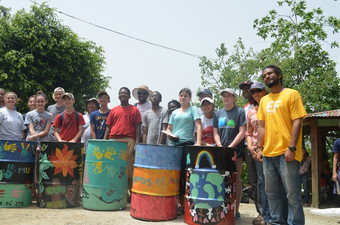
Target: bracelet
258	148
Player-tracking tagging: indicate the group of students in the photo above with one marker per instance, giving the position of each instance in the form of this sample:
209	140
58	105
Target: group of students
143	122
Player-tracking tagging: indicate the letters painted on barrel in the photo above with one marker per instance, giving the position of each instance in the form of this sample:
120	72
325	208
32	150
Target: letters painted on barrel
210	192
156	182
158	157
105	177
16	172
60	169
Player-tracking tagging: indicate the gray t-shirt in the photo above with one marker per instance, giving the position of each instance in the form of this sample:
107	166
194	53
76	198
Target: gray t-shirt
228	124
55	110
154	123
39	120
11	124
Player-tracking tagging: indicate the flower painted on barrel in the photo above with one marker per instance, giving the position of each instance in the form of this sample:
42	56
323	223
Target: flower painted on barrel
64	161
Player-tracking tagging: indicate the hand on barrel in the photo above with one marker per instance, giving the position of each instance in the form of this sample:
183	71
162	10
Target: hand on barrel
109	153
9	172
10	147
97	153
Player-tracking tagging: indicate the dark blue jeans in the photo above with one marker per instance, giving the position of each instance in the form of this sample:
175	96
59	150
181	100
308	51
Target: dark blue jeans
277	169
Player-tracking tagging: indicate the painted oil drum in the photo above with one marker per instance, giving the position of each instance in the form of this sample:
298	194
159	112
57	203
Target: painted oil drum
60	172
17	163
210	185
155	182
105	183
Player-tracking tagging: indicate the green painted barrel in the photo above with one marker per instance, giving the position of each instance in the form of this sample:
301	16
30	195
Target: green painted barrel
105	182
16	173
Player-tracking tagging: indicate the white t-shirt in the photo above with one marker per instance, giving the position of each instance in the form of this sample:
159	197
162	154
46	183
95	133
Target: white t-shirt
11	124
208	129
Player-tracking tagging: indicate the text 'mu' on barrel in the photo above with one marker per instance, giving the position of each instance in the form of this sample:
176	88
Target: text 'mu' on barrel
16	173
210	179
105	177
60	172
155	182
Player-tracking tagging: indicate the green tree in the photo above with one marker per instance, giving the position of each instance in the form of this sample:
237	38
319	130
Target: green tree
228	70
38	52
297	47
297	41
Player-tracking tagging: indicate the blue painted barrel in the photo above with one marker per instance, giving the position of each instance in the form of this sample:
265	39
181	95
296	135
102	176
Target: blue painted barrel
60	172
105	182
17	166
155	182
210	182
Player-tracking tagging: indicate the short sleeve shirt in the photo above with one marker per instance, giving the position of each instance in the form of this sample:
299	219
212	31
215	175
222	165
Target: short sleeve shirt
154	121
11	124
39	121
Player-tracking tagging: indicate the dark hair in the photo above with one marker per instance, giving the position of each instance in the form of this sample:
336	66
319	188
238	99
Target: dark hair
187	90
32	96
160	95
277	70
41	93
128	90
101	93
175	102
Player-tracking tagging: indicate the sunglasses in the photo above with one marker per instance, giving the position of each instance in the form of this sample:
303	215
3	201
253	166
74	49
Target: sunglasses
142	93
253	91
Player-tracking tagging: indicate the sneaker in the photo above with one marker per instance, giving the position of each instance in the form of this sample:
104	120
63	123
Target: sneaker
258	220
238	216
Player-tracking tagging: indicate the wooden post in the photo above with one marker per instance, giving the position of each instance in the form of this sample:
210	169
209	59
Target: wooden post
315	164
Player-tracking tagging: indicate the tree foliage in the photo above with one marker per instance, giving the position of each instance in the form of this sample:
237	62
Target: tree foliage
38	52
297	46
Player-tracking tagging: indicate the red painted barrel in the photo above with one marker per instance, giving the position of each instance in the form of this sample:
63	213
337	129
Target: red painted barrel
210	185
155	182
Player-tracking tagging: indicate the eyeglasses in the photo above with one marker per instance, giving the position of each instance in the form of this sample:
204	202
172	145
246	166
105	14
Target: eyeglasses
253	91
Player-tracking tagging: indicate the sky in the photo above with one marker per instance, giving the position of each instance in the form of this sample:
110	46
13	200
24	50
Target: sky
194	26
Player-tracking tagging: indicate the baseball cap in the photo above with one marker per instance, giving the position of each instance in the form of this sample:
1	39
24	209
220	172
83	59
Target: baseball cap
68	94
258	85
207	99
245	83
229	90
206	92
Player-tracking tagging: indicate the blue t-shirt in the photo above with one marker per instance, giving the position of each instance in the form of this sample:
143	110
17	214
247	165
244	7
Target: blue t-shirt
228	124
99	120
183	124
336	148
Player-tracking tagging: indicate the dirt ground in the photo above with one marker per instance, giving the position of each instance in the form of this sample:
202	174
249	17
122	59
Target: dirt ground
36	215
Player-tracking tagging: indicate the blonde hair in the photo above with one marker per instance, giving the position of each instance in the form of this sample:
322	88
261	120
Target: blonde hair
57	89
12	93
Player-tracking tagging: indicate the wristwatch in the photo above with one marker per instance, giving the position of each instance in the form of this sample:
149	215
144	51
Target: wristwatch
258	148
292	148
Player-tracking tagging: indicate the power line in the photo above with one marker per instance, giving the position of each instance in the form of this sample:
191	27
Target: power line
125	35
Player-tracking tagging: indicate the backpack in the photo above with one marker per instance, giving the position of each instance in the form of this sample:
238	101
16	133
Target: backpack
62	119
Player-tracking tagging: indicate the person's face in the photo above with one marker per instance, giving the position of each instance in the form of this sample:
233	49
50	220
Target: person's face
31	104
10	101
228	99
40	102
270	78
67	101
58	95
142	95
207	107
2	95
171	107
91	106
123	95
104	100
155	98
184	98
245	91
258	94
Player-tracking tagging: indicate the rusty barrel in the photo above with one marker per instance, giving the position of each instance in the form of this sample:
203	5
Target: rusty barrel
60	171
210	182
16	173
105	182
155	182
